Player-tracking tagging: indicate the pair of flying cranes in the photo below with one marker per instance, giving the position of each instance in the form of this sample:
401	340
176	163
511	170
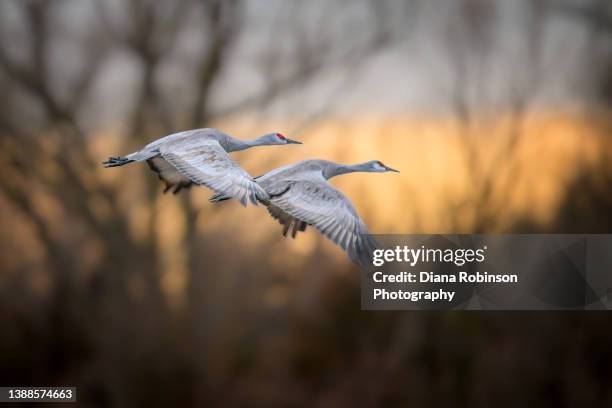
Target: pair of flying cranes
297	195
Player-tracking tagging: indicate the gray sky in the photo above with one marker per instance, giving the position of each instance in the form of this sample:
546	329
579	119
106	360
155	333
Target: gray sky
415	72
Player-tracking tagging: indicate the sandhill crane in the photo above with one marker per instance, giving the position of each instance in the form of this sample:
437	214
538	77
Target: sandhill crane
299	195
200	157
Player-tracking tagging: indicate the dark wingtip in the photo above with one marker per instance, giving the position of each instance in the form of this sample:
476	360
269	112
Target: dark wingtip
116	161
215	198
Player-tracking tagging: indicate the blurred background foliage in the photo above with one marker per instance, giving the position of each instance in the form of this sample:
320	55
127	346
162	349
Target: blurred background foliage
498	114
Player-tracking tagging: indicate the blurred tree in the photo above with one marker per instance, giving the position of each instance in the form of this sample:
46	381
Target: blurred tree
54	58
482	109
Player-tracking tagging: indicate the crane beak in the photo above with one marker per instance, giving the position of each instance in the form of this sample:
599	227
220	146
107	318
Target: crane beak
390	169
289	141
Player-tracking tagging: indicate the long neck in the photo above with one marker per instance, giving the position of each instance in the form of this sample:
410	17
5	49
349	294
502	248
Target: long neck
334	169
235	145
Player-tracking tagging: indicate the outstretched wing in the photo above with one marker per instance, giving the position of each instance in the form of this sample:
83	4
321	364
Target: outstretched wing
287	221
319	204
205	162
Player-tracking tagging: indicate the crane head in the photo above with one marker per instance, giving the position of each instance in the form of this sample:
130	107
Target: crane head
377	166
275	139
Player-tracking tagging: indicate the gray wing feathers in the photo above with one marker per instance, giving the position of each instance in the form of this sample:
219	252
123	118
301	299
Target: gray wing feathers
205	162
329	211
